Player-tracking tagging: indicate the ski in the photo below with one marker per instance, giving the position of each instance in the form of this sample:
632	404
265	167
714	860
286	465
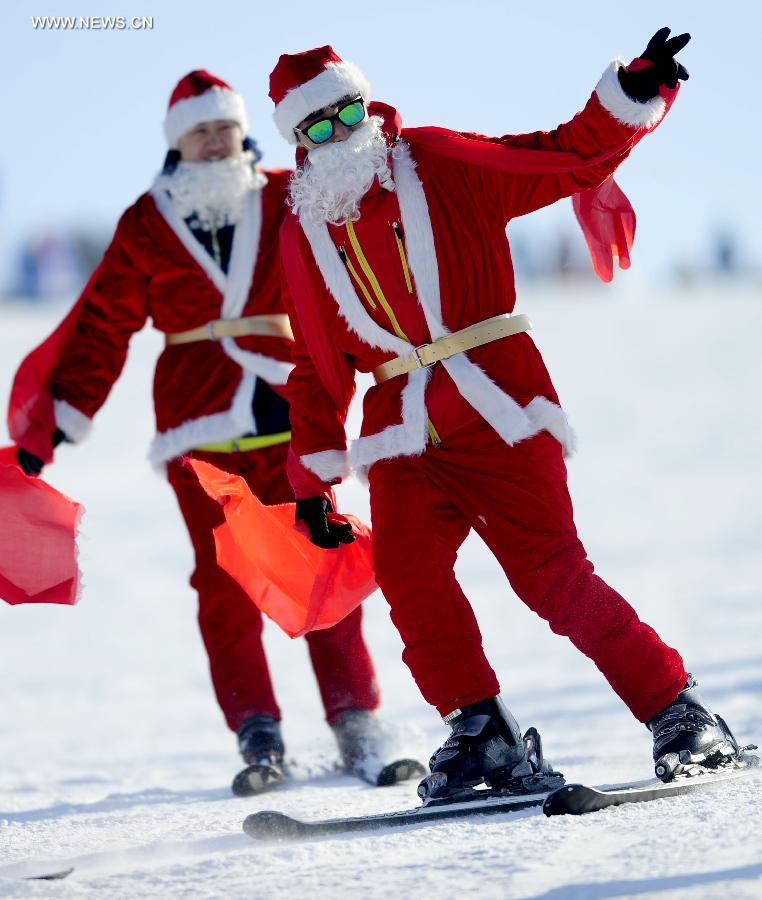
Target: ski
578	799
269	825
51	876
259	778
396	772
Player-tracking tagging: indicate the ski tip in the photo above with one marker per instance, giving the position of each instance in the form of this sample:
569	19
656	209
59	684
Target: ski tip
270	825
571	799
51	876
255	779
400	770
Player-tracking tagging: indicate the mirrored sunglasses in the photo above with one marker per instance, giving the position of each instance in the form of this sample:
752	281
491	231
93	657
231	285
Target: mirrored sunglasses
350	115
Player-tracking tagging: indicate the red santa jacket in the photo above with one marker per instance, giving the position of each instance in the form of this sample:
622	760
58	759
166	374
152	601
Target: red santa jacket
430	258
155	267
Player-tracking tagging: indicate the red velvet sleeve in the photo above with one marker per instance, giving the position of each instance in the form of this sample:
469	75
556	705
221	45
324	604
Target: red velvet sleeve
114	307
319	455
590	133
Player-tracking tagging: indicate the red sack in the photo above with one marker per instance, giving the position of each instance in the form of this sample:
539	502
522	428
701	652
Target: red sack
298	585
38	549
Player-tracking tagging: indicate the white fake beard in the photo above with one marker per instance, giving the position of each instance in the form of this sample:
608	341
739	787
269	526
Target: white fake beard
212	193
335	178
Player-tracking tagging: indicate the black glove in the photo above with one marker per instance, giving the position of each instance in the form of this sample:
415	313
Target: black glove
314	513
644	84
33	465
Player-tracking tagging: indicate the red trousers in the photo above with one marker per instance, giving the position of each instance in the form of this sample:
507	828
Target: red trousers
231	625
516	499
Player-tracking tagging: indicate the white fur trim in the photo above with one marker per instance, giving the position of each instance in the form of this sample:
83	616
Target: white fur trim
223	426
623	108
215	104
234	286
243	256
337	281
74	424
196	249
334	82
328	465
511	421
406	439
268	369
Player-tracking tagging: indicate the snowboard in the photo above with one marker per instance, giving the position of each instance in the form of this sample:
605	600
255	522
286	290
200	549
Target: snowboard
578	799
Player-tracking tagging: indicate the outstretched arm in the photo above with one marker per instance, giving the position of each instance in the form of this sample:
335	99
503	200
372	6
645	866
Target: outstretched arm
627	102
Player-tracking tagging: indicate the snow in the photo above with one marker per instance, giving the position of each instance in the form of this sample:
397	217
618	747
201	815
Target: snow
115	759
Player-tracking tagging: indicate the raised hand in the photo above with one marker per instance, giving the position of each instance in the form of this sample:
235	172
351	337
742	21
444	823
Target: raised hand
643	83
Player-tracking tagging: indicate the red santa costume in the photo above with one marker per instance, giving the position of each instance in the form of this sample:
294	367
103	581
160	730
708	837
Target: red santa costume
216	391
478	440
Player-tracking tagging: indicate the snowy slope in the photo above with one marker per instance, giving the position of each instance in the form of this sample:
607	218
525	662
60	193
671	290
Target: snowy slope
115	759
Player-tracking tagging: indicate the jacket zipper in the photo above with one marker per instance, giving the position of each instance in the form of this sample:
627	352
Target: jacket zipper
353	272
370	275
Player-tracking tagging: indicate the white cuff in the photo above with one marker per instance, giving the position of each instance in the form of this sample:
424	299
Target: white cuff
74	424
622	107
328	465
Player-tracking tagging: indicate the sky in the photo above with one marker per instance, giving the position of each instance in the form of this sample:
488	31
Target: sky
83	110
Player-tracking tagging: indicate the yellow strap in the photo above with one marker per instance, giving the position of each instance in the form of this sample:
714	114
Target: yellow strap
267	325
241	445
492	329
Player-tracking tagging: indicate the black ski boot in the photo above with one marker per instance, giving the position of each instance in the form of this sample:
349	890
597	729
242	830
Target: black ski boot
262	747
363	748
486	747
690	739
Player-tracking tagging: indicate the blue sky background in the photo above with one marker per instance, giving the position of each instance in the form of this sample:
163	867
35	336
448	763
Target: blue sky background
82	111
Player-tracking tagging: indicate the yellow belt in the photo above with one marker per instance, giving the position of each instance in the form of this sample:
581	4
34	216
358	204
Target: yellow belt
476	335
271	325
241	445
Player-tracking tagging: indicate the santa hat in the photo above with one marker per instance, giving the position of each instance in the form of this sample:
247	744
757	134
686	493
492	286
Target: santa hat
302	83
201	97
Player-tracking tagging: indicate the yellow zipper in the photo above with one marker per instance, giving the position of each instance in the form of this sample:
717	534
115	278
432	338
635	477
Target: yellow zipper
403	258
365	266
353	272
216	252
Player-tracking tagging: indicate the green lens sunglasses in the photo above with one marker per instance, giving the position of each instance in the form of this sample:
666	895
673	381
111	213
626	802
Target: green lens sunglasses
350	114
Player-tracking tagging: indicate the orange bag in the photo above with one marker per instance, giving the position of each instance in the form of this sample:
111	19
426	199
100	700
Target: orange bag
301	587
38	534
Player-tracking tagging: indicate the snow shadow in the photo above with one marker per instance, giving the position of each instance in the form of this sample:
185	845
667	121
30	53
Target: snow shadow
113	802
601	889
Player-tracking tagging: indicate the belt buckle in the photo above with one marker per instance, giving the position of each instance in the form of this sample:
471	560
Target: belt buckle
419	362
210	330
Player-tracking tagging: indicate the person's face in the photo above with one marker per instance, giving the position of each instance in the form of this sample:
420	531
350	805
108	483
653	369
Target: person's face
341	131
209	141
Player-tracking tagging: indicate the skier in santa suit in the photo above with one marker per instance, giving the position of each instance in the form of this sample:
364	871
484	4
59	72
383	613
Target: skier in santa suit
198	254
398	265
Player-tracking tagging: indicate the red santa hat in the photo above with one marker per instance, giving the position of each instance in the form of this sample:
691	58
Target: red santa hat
201	97
302	83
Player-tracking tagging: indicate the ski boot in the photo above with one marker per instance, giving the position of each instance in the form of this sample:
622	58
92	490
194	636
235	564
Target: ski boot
361	742
486	747
261	746
689	739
